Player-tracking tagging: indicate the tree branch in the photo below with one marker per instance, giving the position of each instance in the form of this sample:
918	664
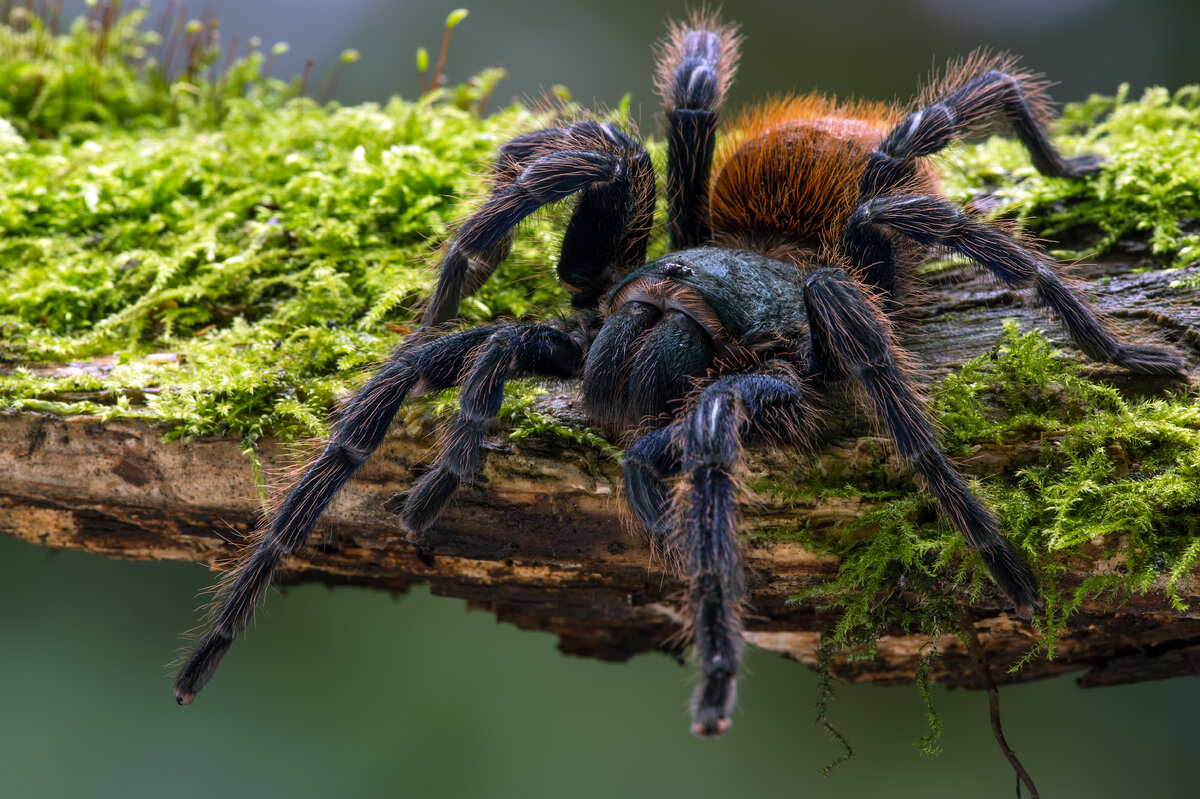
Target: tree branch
539	539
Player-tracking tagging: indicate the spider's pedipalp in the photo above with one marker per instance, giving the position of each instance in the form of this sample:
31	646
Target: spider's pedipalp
850	339
647	463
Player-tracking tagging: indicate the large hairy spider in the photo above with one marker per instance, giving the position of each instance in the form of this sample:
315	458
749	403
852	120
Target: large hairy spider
790	244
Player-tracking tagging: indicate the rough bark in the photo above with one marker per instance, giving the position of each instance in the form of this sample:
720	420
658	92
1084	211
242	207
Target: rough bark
541	541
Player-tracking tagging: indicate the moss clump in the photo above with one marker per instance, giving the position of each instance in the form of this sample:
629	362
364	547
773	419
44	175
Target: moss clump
1115	479
263	248
1117	476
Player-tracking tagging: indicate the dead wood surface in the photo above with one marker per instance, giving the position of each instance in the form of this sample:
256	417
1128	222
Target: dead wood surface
541	541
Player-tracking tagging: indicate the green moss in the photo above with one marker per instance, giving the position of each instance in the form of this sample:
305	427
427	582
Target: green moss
1114	479
1117	476
519	410
275	249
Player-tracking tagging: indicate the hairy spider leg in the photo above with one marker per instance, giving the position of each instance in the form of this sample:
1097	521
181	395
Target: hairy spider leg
608	230
695	66
422	365
461	276
930	221
511	350
851	339
706	447
973	95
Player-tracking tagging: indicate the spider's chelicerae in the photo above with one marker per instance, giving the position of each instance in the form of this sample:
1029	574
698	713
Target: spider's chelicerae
790	243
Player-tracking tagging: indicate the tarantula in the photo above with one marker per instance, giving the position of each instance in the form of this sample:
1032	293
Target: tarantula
786	255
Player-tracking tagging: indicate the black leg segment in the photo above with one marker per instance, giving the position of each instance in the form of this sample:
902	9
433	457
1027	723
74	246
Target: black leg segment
509	351
696	64
934	222
850	339
974	103
431	365
706	448
607	233
972	98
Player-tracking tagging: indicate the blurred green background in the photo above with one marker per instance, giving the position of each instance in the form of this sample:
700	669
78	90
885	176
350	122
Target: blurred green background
348	692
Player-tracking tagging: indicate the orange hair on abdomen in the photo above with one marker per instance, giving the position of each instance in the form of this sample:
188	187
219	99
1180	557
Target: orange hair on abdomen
790	171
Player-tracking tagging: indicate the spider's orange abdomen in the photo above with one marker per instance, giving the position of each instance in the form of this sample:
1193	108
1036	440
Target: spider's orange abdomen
791	170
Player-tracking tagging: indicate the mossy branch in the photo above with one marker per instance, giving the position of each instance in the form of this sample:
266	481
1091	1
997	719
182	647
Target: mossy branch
187	292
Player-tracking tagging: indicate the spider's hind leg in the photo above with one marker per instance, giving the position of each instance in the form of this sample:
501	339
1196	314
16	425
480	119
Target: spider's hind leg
972	97
706	447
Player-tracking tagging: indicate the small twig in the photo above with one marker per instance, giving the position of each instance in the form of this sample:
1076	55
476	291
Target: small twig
975	648
304	76
436	80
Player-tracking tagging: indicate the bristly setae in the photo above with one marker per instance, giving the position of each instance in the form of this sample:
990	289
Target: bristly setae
791	242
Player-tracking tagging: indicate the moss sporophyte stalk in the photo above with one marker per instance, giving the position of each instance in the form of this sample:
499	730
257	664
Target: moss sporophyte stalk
202	248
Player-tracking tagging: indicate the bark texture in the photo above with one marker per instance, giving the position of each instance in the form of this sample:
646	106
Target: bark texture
541	539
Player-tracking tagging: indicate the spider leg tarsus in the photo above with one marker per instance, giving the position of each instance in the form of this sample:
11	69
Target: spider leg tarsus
200	668
1089	332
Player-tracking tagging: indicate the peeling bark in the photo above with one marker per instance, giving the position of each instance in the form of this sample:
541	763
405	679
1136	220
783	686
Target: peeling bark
540	539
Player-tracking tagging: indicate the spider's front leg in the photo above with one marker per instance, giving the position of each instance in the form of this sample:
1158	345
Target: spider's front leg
706	447
852	340
480	360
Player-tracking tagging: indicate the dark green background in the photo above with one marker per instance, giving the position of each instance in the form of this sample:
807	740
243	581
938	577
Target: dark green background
350	693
